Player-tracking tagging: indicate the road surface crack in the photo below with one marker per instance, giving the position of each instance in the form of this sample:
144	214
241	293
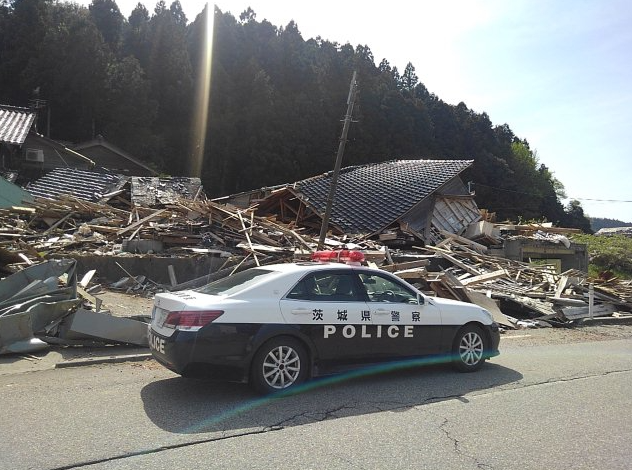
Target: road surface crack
520	384
162	449
457	447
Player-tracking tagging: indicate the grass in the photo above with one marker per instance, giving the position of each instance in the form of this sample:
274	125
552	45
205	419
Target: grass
613	253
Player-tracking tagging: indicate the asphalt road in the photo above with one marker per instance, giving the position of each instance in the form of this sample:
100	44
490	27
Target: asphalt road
552	406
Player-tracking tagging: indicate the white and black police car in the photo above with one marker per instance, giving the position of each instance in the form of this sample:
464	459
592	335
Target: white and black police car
276	326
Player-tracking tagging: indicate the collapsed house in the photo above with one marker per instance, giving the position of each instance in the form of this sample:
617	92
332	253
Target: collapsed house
395	201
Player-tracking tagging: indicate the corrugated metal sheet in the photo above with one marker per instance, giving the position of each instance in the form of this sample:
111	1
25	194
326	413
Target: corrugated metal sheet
15	124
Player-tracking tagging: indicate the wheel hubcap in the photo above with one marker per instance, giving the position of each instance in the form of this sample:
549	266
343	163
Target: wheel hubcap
471	348
281	367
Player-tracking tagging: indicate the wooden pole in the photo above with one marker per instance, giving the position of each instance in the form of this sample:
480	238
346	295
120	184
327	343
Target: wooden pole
341	149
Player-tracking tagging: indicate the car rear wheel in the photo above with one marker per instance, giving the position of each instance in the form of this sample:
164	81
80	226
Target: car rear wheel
469	349
280	364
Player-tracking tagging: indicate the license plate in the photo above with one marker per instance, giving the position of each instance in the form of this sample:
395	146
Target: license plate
159	316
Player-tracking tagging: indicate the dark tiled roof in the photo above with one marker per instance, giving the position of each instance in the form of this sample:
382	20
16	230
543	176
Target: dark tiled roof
371	197
15	124
86	185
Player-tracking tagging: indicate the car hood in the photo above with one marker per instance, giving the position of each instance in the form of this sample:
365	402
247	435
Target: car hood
455	311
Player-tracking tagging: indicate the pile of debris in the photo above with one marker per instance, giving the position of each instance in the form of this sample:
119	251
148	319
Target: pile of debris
513	290
69	224
44	304
41	301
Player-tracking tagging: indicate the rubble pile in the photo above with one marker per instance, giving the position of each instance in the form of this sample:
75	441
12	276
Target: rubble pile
45	304
70	224
41	301
522	290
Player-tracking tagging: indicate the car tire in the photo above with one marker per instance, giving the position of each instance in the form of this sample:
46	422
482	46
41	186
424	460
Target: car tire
469	349
279	365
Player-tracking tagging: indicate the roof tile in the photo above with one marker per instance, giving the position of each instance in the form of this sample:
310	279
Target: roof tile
371	197
87	185
15	124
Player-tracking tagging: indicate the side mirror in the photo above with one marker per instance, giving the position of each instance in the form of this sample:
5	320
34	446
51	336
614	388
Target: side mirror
420	299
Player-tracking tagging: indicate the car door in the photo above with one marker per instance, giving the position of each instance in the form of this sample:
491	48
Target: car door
328	306
404	322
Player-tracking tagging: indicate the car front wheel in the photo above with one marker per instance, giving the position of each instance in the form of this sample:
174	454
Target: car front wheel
469	349
280	364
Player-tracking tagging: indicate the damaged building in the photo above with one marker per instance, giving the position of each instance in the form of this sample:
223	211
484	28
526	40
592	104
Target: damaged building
145	234
397	200
32	154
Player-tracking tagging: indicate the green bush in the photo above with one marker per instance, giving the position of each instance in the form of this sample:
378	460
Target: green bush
608	253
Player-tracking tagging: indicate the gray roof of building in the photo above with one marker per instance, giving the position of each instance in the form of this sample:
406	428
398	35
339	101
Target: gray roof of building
15	124
371	197
87	185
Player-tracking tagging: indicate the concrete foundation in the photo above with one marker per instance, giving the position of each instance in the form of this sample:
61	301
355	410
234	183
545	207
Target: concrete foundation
154	267
528	250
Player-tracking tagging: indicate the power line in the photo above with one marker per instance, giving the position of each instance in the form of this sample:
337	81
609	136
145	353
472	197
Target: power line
542	196
596	200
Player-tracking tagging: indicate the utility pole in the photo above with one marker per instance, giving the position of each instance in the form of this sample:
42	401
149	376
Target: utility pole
353	89
37	105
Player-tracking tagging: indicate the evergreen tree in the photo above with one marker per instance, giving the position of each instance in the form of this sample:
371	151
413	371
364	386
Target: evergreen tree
576	218
108	18
277	101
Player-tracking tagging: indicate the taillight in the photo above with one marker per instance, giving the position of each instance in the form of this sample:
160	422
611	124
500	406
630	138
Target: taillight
191	320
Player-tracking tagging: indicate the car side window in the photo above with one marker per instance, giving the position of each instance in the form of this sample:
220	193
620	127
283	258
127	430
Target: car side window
327	287
382	289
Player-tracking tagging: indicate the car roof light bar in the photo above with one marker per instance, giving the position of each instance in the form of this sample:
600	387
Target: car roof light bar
341	256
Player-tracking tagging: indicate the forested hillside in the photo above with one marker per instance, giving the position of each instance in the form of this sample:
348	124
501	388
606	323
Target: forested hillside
597	223
276	102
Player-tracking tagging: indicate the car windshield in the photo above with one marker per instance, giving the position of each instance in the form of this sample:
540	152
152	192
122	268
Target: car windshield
235	283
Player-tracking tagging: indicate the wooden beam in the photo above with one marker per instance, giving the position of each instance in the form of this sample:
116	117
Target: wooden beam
140	222
476	246
485	277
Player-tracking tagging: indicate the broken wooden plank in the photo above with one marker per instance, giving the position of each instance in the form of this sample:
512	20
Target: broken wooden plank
485	277
575	313
491	306
475	246
458	263
254	254
141	221
413	273
405	265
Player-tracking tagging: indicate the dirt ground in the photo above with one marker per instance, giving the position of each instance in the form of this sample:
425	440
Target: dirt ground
122	304
125	305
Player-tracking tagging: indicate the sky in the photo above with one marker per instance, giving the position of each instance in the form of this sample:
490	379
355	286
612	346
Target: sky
558	72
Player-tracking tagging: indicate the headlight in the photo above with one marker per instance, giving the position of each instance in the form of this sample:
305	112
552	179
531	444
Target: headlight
487	315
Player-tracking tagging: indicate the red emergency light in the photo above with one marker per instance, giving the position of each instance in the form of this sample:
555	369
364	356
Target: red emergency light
340	256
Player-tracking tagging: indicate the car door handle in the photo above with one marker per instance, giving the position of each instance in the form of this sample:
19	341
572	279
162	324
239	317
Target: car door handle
381	311
301	311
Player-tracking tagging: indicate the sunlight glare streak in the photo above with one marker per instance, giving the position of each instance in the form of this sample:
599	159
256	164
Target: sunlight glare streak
203	97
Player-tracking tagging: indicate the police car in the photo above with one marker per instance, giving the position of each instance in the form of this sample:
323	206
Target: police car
276	326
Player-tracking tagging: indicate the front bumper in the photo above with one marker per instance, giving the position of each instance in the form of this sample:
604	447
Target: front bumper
493	332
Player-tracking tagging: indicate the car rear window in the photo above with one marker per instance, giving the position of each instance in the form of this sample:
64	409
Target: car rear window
235	283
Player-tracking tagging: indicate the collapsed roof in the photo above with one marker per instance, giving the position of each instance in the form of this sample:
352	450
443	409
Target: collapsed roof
87	185
371	198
